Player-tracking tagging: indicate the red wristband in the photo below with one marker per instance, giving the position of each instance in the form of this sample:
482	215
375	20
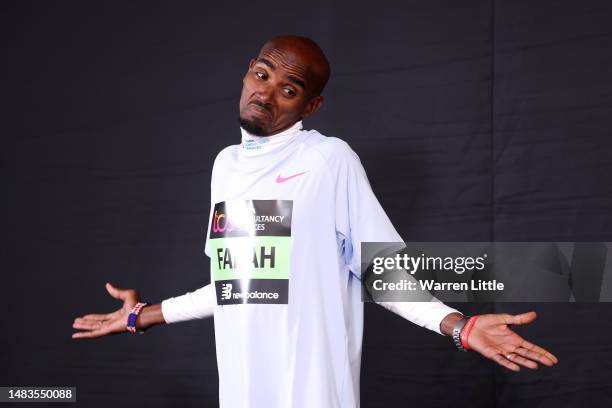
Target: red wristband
465	333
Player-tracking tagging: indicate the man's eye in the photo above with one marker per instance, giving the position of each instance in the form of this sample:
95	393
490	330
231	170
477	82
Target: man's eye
260	75
289	91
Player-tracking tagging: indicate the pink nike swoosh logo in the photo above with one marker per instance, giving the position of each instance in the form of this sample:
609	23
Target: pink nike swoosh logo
280	179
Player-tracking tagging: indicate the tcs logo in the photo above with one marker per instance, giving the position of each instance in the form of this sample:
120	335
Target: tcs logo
221	223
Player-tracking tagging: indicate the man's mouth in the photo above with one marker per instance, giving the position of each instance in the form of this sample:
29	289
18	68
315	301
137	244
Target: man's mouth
259	110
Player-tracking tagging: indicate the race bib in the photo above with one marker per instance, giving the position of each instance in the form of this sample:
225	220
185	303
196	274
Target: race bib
250	250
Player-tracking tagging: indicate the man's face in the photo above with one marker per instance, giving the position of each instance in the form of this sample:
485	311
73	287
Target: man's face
276	92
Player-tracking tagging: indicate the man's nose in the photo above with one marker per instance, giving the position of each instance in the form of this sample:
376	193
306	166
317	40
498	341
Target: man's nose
265	93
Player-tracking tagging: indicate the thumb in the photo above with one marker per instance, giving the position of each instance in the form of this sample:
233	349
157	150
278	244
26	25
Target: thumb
523	318
115	292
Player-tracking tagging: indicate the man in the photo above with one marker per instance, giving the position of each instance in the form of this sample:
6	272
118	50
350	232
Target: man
289	210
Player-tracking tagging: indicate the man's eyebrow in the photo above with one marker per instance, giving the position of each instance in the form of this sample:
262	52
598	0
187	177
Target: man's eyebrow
297	81
291	78
266	62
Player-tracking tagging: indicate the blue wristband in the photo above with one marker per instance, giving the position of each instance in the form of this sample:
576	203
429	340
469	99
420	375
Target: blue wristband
133	316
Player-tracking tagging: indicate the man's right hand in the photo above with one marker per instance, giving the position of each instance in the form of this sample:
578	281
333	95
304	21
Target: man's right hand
97	325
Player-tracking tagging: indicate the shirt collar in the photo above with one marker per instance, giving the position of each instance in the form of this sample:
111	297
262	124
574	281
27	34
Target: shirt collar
256	145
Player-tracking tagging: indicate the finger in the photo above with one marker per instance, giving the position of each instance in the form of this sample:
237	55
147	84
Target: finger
88	334
523	318
113	291
519	359
84	324
117	293
533	347
531	351
504	362
535	356
96	317
548	358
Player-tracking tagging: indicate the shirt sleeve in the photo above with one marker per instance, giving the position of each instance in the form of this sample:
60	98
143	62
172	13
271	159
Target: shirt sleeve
425	314
198	304
359	215
361	218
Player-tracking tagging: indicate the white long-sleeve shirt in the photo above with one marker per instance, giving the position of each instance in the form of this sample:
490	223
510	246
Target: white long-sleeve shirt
289	213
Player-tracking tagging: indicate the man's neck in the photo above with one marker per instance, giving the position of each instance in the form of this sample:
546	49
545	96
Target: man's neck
256	145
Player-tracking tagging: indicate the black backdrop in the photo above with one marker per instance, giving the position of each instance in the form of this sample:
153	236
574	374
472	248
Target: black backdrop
475	120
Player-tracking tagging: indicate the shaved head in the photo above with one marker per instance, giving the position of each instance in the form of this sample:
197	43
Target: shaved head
282	85
306	50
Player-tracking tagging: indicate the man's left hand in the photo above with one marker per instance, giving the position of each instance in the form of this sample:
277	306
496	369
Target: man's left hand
492	337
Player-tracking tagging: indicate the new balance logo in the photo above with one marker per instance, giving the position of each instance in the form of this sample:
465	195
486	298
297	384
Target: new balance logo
226	291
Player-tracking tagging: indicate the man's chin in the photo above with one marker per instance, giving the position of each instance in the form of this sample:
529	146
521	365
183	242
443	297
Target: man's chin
252	126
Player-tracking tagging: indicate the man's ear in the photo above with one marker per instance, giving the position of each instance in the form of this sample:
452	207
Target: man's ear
251	63
313	106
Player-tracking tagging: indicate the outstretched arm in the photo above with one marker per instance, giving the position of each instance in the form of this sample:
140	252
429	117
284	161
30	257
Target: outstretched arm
198	304
98	325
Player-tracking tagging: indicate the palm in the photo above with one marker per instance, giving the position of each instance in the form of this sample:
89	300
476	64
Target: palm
492	337
97	325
